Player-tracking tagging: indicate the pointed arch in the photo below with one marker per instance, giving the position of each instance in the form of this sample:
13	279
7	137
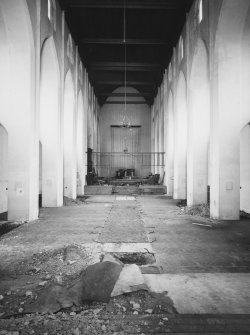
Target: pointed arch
226	109
50	127
69	139
180	146
169	166
198	127
80	145
18	110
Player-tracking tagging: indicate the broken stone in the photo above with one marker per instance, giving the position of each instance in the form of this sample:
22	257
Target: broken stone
8	293
202	224
149	311
1	297
110	258
135	305
130	280
98	282
103	328
71	262
165	319
43	283
29	294
76	331
59	279
97	310
20	310
136	313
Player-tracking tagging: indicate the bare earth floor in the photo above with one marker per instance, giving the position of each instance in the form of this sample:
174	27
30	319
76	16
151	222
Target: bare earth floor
204	266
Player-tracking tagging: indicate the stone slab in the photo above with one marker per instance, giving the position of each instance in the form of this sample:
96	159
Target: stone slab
205	292
98	190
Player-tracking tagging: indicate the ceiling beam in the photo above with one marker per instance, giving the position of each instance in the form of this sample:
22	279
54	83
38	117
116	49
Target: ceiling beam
107	94
122	102
120	66
129	64
120	41
122	69
121	83
166	5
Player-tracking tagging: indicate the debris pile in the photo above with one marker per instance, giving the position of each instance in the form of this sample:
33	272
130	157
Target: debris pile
196	210
98	282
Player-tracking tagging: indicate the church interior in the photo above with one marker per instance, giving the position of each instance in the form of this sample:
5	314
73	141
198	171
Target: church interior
125	127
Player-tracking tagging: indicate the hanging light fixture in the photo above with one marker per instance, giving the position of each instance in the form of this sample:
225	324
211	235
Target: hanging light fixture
125	121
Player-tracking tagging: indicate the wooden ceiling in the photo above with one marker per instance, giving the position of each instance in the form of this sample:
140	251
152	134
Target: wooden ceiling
152	30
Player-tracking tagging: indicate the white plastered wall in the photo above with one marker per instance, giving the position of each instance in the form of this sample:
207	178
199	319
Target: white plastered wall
226	110
17	109
3	170
69	142
245	119
180	140
50	127
198	128
80	145
169	145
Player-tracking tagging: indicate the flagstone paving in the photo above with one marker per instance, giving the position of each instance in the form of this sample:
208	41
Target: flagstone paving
124	223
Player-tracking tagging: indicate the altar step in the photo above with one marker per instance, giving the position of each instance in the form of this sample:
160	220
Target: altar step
125	189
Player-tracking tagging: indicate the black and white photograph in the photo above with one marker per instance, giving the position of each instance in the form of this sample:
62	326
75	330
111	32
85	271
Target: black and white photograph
124	167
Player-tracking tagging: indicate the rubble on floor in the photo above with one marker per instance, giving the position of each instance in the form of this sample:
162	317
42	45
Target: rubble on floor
202	210
244	214
89	303
98	282
125	314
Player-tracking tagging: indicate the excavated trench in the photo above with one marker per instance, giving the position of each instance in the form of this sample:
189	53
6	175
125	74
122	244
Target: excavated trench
138	258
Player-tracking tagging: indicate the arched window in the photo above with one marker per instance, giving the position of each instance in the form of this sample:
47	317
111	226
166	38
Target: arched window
49	9
52	12
181	49
80	72
170	74
70	53
200	11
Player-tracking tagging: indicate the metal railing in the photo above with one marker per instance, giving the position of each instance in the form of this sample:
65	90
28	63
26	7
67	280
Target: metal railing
139	164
